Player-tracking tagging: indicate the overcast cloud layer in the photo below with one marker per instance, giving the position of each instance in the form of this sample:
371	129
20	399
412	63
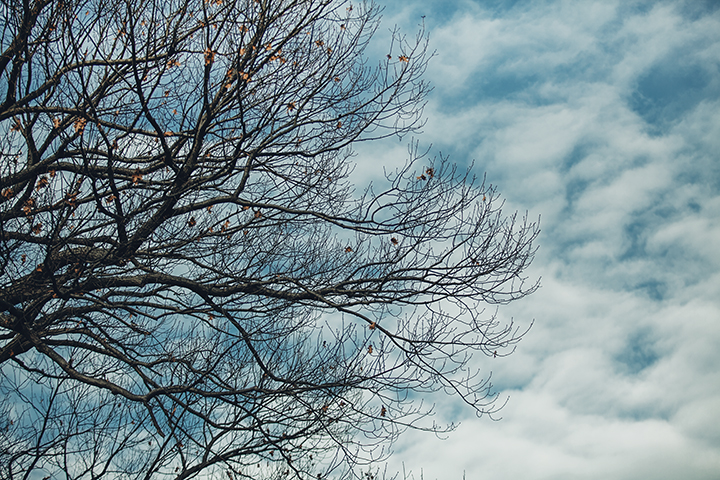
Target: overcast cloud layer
603	118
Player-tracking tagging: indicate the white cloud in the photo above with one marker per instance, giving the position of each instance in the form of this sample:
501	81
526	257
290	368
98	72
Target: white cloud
619	378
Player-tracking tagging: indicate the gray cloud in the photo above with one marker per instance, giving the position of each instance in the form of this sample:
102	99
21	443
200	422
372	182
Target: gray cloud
604	118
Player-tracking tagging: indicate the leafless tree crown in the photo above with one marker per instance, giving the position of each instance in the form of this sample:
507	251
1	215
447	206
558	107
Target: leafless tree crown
190	283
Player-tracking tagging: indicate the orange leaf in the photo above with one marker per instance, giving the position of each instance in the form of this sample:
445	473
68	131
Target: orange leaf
136	177
209	56
348	250
394	240
370	349
28	206
42	183
191	222
79	125
372	326
383	411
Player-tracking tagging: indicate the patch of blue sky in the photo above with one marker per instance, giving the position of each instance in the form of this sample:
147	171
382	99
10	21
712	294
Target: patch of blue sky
639	352
671	89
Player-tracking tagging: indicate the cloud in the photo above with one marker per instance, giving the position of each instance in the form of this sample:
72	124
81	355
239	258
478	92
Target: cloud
604	118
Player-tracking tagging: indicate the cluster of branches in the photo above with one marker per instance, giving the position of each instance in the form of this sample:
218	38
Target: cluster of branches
190	283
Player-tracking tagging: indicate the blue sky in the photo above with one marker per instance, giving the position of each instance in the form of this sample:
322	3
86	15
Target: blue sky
604	119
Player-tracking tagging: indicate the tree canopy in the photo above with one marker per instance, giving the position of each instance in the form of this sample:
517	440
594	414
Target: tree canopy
191	283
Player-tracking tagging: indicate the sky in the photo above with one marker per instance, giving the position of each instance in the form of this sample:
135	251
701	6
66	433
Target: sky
602	118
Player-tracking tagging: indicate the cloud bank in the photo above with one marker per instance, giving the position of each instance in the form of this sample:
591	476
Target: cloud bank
603	118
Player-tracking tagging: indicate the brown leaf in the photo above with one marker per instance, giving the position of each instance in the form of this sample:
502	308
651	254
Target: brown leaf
42	183
136	177
28	206
79	125
209	56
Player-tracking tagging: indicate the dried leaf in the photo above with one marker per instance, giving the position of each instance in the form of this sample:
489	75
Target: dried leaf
136	177
28	206
42	183
394	240
79	125
209	56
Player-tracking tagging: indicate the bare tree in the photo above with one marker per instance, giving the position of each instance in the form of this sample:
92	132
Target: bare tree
190	283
